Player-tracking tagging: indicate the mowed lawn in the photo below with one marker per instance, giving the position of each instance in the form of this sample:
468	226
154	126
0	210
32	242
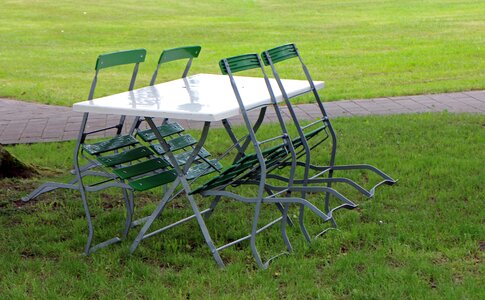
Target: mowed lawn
362	49
423	238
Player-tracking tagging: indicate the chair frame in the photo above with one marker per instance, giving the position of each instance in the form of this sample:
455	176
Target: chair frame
103	61
266	193
281	53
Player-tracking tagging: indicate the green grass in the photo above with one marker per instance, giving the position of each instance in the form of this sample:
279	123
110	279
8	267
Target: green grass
418	239
362	49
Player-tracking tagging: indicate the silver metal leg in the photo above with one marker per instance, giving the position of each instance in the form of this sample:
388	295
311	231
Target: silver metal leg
181	179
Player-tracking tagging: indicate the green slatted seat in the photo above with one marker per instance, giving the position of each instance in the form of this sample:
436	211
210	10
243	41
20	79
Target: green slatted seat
183	157
175	144
110	145
141	168
149	182
244	168
165	130
124	157
203	169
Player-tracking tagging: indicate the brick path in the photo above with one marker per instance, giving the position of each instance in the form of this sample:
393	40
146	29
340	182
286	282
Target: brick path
23	122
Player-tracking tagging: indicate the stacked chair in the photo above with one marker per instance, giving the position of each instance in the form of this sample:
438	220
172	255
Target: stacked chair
183	142
124	161
252	168
312	135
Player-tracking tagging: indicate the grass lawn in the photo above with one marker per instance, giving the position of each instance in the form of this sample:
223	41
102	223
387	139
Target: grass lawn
362	49
422	238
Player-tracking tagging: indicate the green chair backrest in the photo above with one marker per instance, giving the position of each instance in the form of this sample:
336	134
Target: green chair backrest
120	58
240	63
279	54
168	55
188	52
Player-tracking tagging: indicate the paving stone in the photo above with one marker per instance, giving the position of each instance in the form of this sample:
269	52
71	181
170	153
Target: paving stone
23	122
420	97
360	112
349	105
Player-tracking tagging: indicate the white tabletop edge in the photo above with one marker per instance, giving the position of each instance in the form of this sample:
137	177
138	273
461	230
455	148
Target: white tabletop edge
105	105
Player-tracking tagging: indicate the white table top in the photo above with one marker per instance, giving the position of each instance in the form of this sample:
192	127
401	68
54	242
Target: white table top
201	97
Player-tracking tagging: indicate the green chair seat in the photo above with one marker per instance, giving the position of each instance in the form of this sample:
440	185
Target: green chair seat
228	175
110	145
176	144
203	169
124	157
152	181
183	157
165	130
141	168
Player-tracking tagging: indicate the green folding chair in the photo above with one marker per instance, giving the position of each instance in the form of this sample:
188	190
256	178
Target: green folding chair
252	169
182	144
312	135
121	161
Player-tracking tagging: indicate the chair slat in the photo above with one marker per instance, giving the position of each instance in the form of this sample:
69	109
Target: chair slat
203	169
150	182
141	168
124	157
110	145
183	157
176	144
165	130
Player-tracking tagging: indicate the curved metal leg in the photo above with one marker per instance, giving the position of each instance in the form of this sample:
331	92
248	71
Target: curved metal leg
301	219
252	240
283	228
128	197
87	248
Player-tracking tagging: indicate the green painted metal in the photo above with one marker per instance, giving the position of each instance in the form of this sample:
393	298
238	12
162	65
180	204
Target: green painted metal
243	168
110	145
169	55
120	58
280	53
203	169
183	157
141	168
124	157
153	181
165	130
240	63
176	144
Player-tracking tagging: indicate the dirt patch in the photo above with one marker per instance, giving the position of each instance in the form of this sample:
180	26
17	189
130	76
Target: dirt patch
12	167
482	245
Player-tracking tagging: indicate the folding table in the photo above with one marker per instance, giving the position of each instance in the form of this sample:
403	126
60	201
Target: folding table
201	97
